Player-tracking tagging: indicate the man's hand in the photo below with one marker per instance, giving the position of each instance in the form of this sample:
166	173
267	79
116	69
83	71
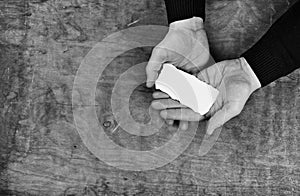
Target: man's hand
185	46
173	110
233	78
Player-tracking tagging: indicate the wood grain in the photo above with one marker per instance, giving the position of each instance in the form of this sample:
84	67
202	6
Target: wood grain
42	44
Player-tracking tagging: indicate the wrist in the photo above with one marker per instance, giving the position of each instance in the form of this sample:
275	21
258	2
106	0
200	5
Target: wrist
254	81
194	24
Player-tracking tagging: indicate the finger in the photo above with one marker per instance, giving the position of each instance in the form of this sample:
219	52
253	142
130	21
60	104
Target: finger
184	114
170	122
222	116
208	142
160	95
183	125
155	62
215	107
162	104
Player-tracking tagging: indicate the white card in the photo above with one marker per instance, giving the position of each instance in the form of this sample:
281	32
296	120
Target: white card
186	88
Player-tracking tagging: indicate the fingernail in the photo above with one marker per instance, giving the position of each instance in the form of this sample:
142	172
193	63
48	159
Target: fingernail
163	114
170	122
210	130
184	127
156	105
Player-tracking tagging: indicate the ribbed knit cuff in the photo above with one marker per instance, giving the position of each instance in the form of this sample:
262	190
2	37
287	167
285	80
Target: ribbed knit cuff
268	59
276	54
184	9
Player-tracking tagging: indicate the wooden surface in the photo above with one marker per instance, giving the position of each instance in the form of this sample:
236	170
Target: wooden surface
42	44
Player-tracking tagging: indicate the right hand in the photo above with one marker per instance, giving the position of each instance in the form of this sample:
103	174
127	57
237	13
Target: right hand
185	46
235	81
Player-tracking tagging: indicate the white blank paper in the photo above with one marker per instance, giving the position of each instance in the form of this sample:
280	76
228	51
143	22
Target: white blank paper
186	88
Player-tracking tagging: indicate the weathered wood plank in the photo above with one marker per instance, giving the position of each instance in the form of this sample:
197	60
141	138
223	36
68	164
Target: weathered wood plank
42	44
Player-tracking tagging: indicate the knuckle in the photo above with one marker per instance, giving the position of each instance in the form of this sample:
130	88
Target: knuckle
236	109
157	51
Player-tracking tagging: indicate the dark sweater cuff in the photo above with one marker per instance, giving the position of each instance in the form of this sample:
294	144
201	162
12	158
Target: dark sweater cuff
184	9
265	59
276	54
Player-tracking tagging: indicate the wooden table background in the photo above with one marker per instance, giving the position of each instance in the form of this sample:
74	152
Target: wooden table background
42	44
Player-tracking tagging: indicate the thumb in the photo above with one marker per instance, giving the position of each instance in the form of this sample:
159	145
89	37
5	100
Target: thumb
156	60
227	112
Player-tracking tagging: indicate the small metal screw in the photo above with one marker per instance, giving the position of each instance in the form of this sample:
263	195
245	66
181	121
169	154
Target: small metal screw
107	124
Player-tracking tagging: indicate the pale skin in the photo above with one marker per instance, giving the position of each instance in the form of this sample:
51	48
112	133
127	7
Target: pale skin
233	78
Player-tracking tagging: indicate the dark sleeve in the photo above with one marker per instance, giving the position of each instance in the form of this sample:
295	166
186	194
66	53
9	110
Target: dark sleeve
277	53
184	9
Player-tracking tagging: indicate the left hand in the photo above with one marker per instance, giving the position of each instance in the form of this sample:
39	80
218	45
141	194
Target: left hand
185	46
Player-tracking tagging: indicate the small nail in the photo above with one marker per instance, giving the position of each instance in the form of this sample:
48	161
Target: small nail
163	114
170	122
184	127
209	132
156	105
154	95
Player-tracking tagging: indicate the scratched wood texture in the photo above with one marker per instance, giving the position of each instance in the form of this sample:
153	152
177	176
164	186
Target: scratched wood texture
42	44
